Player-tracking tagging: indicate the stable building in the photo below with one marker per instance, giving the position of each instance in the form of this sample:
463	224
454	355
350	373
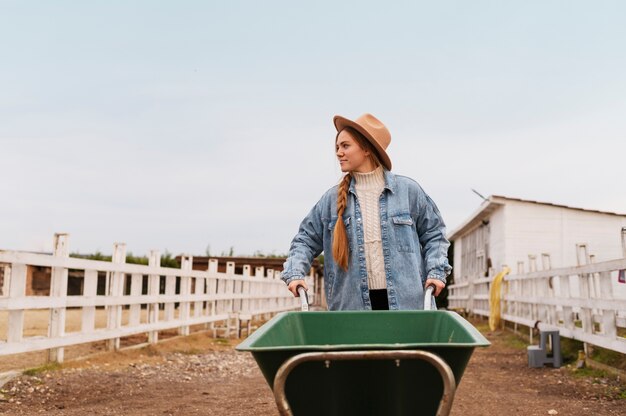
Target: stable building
528	235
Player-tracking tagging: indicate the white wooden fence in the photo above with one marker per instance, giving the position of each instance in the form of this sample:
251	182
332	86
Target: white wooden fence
578	301
175	298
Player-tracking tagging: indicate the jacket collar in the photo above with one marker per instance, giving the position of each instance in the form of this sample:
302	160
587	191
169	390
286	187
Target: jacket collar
390	181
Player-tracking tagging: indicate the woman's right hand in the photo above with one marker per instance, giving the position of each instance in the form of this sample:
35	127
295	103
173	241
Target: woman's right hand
293	285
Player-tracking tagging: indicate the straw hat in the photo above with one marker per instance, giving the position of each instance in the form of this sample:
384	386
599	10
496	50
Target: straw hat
373	130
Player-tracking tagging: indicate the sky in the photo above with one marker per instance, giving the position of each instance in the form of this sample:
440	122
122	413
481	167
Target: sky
201	126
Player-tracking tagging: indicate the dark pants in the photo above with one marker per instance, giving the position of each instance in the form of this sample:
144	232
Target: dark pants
379	300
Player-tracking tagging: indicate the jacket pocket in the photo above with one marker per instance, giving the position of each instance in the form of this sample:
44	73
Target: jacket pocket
404	233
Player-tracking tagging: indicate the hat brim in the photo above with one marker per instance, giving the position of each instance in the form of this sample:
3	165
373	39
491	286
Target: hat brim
342	122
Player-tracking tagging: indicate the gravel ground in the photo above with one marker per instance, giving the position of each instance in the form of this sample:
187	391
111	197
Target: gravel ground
198	375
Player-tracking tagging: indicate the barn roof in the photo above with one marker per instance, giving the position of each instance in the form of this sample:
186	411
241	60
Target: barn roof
495	201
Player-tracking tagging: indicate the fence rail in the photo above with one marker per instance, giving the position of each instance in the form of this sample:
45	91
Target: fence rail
170	298
578	301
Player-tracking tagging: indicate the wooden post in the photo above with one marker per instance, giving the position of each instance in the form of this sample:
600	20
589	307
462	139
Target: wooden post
220	288
533	288
269	290
594	281
532	263
4	289
582	256
245	288
90	289
584	284
259	272
170	291
16	274
568	313
199	289
229	289
116	290
185	290
58	289
546	264
154	287
212	290
230	285
609	326
136	284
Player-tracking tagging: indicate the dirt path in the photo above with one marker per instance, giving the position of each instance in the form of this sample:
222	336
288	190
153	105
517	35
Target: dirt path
202	376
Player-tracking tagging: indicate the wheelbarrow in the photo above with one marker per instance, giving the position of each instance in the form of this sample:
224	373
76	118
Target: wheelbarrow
364	362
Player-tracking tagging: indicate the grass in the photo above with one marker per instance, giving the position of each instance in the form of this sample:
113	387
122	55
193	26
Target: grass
514	341
42	369
191	351
590	372
609	357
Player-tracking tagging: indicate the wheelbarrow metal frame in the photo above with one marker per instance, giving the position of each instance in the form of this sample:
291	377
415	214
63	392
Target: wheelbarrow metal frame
449	383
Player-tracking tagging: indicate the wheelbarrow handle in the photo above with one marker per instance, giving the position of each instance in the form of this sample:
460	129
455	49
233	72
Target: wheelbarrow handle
428	297
449	382
304	298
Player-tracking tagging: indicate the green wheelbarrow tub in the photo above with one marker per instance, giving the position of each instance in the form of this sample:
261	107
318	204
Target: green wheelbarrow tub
359	386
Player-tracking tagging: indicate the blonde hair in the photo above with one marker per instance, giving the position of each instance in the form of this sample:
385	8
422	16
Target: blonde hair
341	250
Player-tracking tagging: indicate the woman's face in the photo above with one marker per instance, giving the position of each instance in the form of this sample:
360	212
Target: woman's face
352	157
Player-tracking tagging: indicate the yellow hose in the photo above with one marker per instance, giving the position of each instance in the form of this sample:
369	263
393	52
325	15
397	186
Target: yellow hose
494	299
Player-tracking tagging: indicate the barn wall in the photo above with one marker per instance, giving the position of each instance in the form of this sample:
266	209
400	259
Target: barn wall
533	229
497	240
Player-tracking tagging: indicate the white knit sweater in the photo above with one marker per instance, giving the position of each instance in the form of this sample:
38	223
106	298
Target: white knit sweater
368	188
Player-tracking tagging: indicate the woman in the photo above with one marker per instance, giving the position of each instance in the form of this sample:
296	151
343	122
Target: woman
383	237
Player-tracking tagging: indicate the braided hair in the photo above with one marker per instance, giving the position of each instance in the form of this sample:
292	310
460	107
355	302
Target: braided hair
340	239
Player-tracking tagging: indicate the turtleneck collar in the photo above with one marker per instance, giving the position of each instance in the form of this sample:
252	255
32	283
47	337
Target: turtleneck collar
369	180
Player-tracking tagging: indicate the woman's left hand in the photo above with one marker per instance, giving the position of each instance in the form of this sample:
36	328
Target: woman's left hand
439	285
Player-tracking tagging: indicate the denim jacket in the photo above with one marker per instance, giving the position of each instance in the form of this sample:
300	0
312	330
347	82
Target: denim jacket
413	238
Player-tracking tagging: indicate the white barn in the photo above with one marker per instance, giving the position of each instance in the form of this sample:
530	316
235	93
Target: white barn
529	235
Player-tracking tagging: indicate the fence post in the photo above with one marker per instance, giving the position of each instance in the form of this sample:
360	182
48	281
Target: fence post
4	286
199	289
170	292
185	290
585	283
116	291
535	310
565	293
154	288
233	318
245	288
58	289
136	286
609	327
272	301
90	291
230	285
16	274
259	272
212	290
